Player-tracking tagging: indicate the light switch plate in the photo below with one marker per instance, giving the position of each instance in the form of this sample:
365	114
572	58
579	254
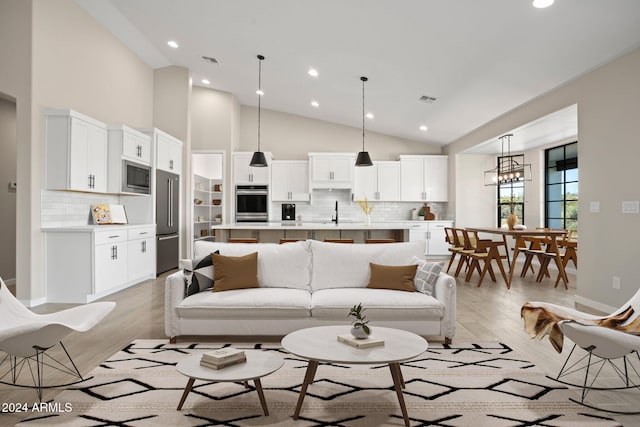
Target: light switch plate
594	207
631	207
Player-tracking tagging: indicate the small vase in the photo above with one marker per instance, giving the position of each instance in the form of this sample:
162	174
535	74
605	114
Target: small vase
512	220
359	333
367	219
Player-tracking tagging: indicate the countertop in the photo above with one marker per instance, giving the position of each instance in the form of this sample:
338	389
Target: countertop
89	228
326	225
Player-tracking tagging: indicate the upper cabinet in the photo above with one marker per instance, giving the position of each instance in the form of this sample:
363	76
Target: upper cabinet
424	178
76	152
289	181
244	174
380	182
168	151
130	144
331	170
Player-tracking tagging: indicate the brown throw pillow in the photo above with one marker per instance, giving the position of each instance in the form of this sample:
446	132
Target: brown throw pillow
235	272
395	277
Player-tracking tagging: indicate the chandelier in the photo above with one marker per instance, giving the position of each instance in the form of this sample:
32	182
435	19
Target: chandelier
510	168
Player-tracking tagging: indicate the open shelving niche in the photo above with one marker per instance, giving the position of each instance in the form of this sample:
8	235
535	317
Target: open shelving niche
207	206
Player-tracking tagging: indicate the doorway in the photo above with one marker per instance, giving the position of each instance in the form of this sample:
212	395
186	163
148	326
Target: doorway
8	189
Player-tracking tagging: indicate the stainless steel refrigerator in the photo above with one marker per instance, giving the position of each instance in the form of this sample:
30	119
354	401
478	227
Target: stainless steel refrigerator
167	220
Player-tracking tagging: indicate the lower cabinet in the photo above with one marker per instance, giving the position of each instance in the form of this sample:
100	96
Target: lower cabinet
83	264
434	234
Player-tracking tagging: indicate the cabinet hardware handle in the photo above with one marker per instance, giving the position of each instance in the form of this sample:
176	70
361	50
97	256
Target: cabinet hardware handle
171	164
143	232
114	236
144	247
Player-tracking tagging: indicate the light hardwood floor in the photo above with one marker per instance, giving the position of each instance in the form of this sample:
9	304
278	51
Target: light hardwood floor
488	313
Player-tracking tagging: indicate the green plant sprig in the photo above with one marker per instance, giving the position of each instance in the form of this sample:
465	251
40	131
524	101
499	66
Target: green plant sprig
360	322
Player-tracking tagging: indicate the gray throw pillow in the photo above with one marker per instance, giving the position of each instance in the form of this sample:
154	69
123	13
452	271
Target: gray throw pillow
201	277
426	275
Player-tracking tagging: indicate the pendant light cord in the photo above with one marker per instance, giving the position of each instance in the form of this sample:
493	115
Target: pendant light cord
364	79
260	58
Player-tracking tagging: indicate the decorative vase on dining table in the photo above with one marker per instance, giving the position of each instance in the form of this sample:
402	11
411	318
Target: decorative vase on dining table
512	220
367	219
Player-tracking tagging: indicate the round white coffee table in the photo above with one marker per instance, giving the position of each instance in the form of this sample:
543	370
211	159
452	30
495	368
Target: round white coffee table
320	344
258	364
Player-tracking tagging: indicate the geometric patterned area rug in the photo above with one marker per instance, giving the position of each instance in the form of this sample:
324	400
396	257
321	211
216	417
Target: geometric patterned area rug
466	384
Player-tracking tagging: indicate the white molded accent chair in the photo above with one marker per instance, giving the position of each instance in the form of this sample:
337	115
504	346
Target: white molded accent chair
25	337
608	345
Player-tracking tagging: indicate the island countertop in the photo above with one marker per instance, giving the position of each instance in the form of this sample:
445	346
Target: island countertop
327	225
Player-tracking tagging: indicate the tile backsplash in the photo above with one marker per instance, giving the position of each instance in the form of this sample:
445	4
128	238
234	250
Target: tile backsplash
323	202
68	208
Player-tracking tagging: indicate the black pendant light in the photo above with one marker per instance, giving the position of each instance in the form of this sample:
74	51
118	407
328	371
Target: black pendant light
363	157
259	159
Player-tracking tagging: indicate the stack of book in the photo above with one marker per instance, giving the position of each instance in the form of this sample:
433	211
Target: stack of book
223	357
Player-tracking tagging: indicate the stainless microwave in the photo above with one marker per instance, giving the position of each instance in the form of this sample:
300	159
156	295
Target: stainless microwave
136	178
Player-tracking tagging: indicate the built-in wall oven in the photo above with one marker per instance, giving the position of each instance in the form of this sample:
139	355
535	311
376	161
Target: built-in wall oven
252	203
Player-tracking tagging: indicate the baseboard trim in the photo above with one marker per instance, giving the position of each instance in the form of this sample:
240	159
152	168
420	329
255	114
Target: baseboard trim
34	302
595	304
10	282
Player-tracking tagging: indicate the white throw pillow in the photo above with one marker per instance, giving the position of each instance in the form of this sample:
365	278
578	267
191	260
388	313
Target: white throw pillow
426	275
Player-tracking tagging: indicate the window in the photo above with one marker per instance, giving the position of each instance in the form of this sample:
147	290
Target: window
510	197
561	187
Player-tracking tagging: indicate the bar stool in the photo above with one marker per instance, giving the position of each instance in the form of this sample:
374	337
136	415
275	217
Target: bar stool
242	240
339	240
287	240
380	240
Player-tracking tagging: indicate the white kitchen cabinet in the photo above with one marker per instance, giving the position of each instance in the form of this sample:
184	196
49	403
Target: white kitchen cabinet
331	170
433	233
141	254
244	174
380	182
168	150
289	181
76	152
424	178
125	144
83	264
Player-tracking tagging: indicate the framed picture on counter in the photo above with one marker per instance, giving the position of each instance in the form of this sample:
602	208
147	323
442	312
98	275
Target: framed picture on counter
103	213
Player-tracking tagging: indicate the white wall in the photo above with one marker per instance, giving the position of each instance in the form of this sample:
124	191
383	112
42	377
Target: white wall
291	137
8	171
608	100
475	203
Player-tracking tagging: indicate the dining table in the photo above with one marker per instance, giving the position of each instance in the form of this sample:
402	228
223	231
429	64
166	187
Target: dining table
519	235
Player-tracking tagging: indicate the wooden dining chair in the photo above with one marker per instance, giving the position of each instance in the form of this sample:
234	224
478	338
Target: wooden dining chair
486	251
242	240
546	255
380	240
468	241
455	245
339	240
570	245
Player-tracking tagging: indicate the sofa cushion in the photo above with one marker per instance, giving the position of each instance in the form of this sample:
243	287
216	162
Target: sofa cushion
380	304
200	277
256	303
235	272
338	265
426	275
279	266
396	277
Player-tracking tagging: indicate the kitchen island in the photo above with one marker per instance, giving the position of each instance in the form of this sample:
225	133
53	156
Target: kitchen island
272	232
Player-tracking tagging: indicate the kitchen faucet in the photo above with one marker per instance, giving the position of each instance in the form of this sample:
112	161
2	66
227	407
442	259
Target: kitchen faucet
336	215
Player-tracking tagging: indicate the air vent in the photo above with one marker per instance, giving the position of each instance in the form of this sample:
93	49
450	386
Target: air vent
427	99
210	59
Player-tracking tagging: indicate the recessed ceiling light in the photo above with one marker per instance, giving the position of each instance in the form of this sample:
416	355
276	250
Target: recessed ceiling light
315	103
369	115
260	92
173	44
313	72
424	128
205	81
541	4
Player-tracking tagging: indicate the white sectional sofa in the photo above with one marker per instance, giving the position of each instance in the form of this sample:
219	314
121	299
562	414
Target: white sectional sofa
309	283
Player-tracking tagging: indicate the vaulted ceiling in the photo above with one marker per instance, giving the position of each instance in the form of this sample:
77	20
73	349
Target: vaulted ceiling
479	59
